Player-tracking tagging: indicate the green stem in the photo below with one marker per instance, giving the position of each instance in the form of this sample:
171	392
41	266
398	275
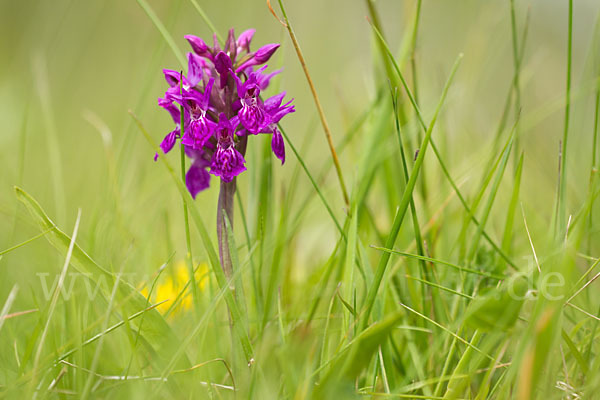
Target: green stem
517	65
594	169
163	31
458	382
561	207
188	239
207	20
386	62
413	67
413	209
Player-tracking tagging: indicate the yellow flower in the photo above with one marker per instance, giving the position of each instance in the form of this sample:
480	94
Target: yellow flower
171	285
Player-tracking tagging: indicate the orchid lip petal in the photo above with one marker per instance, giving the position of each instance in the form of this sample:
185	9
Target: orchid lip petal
227	163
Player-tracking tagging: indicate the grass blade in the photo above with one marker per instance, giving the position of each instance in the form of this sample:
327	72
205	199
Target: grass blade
8	304
54	299
512	206
157	334
163	31
313	182
206	19
561	206
493	193
402	208
438	156
437	261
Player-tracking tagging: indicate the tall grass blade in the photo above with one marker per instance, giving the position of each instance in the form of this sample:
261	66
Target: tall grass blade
512	206
561	206
163	31
8	304
403	206
207	20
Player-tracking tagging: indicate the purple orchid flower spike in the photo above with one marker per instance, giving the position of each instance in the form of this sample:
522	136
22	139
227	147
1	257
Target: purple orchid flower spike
200	128
222	105
260	57
227	162
221	98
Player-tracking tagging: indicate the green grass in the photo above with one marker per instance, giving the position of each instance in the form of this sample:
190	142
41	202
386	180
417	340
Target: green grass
445	252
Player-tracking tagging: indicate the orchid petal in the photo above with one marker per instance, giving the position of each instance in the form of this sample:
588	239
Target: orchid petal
197	178
243	41
198	45
194	69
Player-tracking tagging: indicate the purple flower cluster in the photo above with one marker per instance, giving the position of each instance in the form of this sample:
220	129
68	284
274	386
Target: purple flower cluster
222	106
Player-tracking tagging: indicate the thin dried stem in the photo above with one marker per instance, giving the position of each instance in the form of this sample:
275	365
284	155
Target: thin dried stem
328	135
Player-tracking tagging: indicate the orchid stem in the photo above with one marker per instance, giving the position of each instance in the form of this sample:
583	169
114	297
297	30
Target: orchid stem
226	193
225	203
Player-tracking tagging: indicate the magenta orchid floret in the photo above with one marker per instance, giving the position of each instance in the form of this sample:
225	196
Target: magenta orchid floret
222	105
227	161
